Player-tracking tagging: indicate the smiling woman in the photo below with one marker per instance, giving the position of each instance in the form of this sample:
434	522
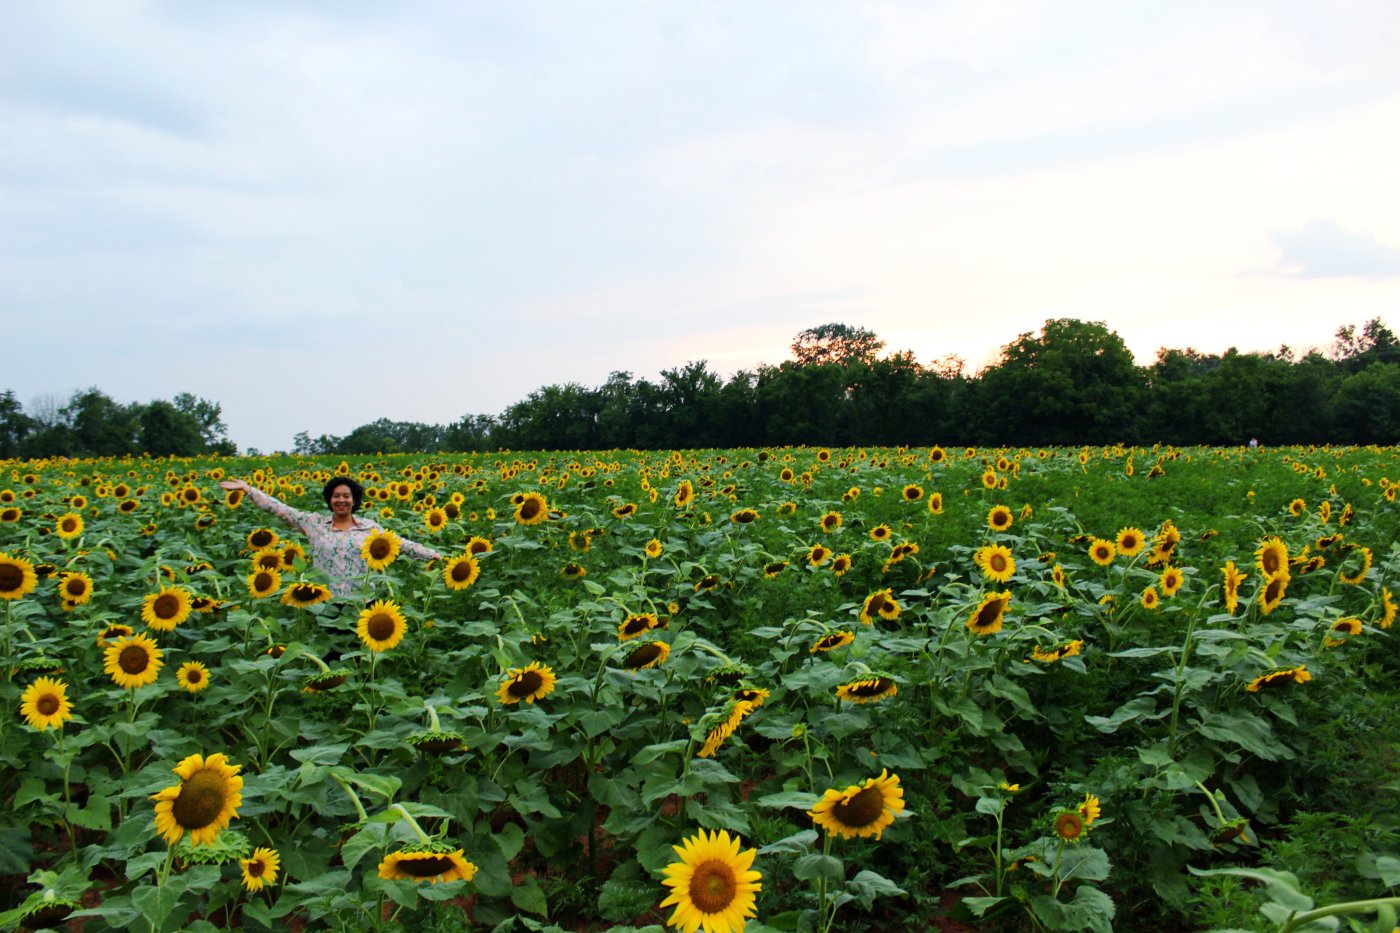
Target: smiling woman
337	540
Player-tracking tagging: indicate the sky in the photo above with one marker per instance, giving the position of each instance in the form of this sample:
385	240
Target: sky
323	213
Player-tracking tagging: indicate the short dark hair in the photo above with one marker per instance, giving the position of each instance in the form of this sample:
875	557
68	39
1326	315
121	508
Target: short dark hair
356	490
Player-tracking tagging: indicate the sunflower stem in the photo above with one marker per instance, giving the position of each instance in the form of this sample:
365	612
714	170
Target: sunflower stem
433	723
1215	804
1298	921
354	797
413	824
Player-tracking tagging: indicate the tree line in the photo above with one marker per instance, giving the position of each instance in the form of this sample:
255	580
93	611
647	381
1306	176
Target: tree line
93	424
1073	382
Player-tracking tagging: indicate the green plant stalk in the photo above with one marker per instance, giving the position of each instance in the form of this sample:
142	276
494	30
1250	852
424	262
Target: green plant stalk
413	824
1297	921
354	797
1181	666
433	724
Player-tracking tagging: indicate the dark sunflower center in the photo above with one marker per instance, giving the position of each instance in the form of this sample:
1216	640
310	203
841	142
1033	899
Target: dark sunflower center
461	572
477	547
261	539
525	684
201	799
988	615
263	581
379	549
425	866
529	508
380	626
997	563
643	656
47	704
1129	543
133	659
635	625
871	688
257	868
193	675
166	607
829	642
69	524
75	587
1069	826
304	592
1273	591
713	886
861	810
1270	563
270	561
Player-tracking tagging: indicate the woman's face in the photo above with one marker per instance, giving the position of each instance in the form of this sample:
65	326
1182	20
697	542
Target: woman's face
342	501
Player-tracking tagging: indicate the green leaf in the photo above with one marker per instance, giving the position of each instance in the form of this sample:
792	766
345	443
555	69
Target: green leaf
980	905
1281	886
97	814
1246	730
1091	909
814	866
801	841
1388	868
320	754
528	897
867	885
1132	710
652	752
801	800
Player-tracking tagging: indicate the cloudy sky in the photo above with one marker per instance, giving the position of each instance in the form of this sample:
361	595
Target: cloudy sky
319	214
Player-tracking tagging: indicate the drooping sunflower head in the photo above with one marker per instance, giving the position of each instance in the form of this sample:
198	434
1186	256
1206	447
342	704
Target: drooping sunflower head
526	684
202	803
743	517
626	510
165	610
111	632
635	625
860	810
880	603
303	595
867	689
381	625
833	641
652	654
713	885
990	613
1342	630
133	661
432	863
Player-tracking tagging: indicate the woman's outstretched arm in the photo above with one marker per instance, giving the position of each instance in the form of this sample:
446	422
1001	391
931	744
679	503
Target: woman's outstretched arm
294	517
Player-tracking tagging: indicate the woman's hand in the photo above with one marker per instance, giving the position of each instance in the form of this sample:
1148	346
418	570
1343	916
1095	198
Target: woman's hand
236	484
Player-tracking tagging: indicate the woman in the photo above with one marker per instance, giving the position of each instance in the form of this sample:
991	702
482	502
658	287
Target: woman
335	539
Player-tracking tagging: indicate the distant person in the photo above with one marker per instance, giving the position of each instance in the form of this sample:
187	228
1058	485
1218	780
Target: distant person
1254	442
335	539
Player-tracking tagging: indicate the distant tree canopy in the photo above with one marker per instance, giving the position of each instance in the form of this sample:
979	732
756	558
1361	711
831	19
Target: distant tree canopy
1074	382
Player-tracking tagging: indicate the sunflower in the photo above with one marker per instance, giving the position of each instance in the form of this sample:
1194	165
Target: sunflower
636	625
203	803
1171	581
626	510
879	603
841	564
527	683
1150	598
291	554
263	583
1272	556
987	618
478	545
652	654
880	533
862	809
380	549
427	864
652	548
772	570
68	525
133	661
1090	809
260	868
1346	628
1297	507
111	632
818	554
990	480
830	521
713	885
381	625
867	689
573	571
743	517
935	503
17	577
435	519
1274	589
1057	576
1388	609
912	493
1230	591
1164	546
707	582
165	610
11	515
260	538
999	518
304	595
733	714
75	588
684	493
1101	551
996	562
44	704
1070	826
1361	571
1130	542
1277	678
192	676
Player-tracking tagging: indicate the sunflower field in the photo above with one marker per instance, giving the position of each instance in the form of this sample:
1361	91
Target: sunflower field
758	689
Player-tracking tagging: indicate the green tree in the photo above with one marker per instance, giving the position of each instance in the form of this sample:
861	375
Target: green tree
165	430
100	426
15	426
835	343
1366	408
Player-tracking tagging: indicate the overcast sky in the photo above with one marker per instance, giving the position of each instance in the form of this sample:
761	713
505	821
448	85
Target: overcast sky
319	214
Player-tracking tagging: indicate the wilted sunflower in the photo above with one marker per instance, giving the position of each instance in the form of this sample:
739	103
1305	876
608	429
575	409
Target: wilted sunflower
1101	551
867	689
1131	541
652	654
381	625
1272	556
427	863
1342	630
165	610
713	885
727	721
44	704
263	583
1274	590
912	493
1230	591
987	618
996	562
879	603
527	683
133	661
304	595
192	676
1171	581
999	518
1291	675
17	577
260	868
202	804
380	549
636	625
68	525
860	810
75	587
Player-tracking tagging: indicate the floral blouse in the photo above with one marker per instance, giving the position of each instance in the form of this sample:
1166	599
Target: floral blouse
335	551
